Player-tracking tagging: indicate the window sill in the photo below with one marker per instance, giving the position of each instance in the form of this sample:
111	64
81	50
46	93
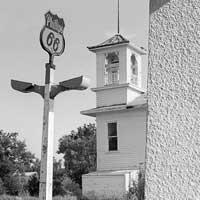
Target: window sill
112	84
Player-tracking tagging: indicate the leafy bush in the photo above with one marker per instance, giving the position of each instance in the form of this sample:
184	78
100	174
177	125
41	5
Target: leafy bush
71	188
12	185
15	159
5	197
2	188
79	149
136	192
33	185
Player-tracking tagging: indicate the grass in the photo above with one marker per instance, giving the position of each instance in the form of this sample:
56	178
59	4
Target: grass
5	197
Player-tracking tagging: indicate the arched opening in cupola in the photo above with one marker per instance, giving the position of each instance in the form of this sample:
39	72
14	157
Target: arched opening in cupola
134	70
112	68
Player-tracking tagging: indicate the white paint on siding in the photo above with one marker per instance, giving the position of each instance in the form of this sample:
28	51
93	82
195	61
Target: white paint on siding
131	126
141	75
111	97
119	94
105	184
100	64
131	95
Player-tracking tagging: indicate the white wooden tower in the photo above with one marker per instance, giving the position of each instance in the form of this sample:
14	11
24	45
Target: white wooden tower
120	117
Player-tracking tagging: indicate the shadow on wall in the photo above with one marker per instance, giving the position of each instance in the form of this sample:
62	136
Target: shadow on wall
156	4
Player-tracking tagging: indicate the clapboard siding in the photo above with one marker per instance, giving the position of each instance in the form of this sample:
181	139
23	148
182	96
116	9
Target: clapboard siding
108	184
104	186
111	97
131	128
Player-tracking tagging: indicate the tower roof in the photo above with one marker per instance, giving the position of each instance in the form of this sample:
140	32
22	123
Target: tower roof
138	102
116	39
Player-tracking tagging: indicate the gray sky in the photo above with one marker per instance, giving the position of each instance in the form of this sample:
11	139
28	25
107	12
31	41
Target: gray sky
88	23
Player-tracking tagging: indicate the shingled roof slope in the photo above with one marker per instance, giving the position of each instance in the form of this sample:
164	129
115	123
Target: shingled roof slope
116	39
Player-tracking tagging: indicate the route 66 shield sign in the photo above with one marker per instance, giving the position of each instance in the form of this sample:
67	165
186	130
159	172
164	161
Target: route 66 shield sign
51	35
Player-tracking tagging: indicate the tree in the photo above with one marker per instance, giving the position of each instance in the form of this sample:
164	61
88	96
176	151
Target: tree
12	185
14	159
58	177
14	152
79	149
2	189
71	188
33	185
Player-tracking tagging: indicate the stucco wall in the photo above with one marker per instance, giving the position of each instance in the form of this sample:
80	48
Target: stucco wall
173	136
131	130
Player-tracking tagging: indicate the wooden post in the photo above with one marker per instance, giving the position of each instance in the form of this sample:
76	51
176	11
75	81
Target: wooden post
52	41
46	169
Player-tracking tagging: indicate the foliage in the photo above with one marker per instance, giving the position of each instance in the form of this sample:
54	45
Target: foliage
2	189
136	192
71	188
5	197
33	185
62	185
12	185
94	197
141	184
79	149
15	160
14	152
67	197
58	177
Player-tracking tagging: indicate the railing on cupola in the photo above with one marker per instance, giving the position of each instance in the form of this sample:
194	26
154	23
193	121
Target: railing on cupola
134	79
111	76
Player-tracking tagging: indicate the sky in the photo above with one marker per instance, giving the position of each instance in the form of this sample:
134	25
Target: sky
87	23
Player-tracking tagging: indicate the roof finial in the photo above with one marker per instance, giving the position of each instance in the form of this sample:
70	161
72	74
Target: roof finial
117	16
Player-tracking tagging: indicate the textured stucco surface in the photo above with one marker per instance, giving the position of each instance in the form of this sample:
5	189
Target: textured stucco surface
173	130
156	4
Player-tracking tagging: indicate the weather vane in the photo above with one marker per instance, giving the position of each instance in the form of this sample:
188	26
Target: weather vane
118	16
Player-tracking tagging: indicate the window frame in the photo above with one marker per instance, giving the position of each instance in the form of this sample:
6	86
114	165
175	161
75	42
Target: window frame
111	70
115	136
134	70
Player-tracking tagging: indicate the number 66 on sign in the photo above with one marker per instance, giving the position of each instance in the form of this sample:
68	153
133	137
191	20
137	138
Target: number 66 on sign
51	35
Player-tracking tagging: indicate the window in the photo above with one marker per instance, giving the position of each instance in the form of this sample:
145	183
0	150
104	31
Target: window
114	77
134	65
112	68
112	58
134	68
112	136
